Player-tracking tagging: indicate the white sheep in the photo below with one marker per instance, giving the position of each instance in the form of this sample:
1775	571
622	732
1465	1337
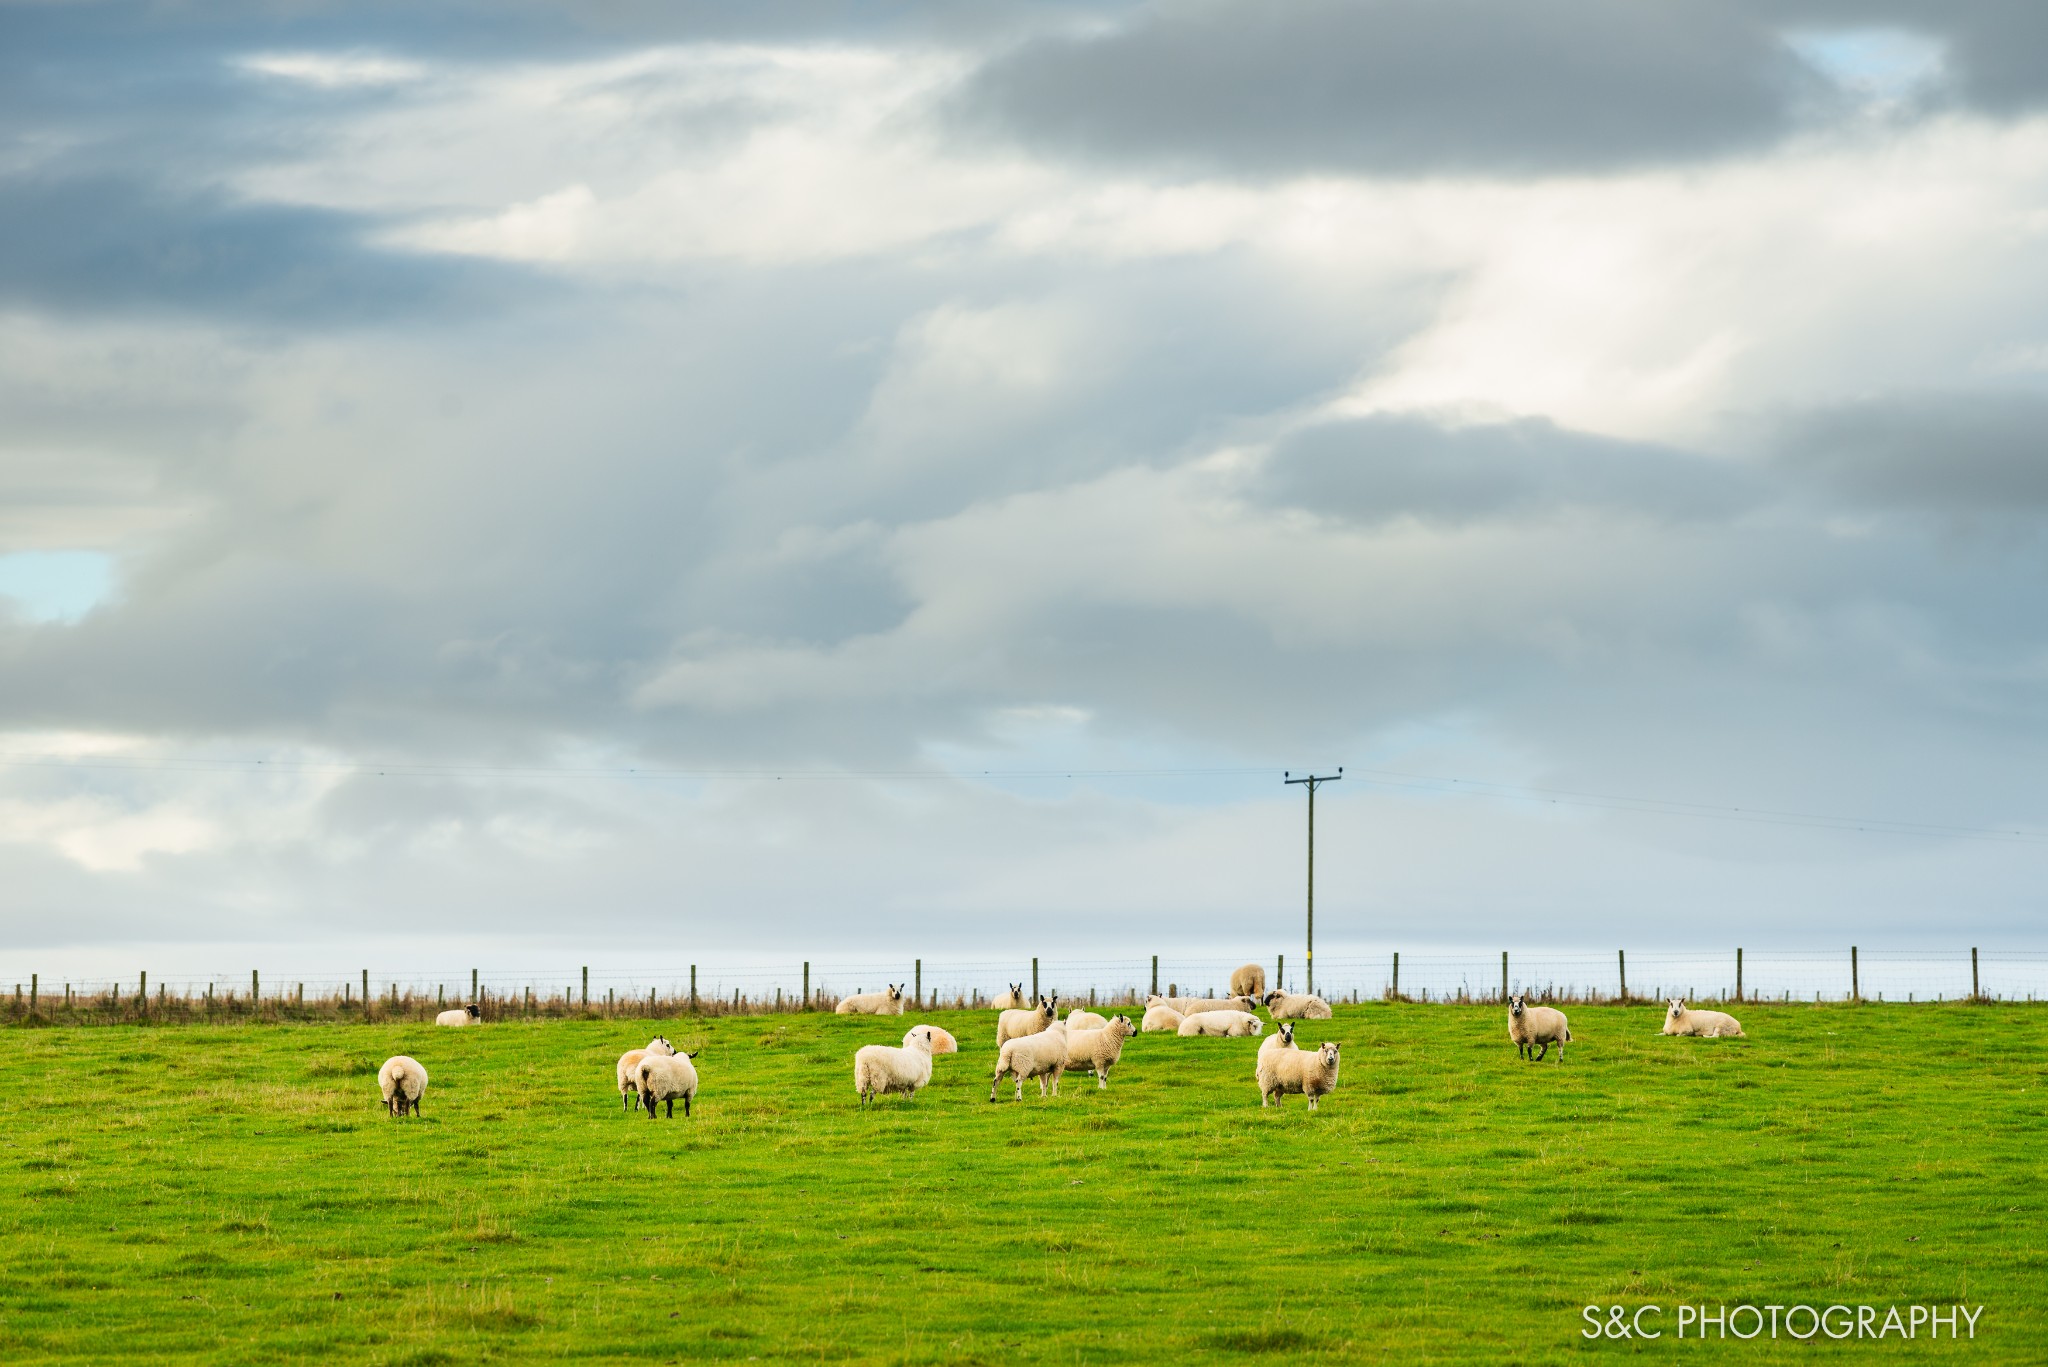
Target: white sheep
664	1077
461	1015
1282	1038
1016	1024
1096	1051
401	1080
1311	1072
888	1003
1712	1024
942	1042
1221	1023
629	1070
1296	1006
879	1069
1041	1055
1160	1017
1531	1027
1248	981
1078	1019
1013	999
1194	1006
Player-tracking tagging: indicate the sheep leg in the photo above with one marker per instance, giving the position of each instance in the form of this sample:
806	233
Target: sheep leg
648	1097
1542	1053
1041	1085
671	1108
686	1105
1102	1080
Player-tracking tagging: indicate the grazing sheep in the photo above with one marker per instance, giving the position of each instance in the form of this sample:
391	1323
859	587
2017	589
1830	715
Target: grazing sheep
879	1069
1161	1017
1078	1019
1311	1072
629	1070
461	1015
888	1003
942	1042
1041	1055
1221	1023
664	1077
1017	1024
1014	999
1296	1006
401	1080
1096	1051
1533	1026
1248	981
1712	1024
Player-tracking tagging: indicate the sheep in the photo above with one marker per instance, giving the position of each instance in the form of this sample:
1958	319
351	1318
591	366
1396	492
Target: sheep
1712	1024
1248	981
461	1015
942	1041
888	1003
1194	1006
1039	1055
401	1080
1221	1023
1096	1051
1533	1026
629	1070
1017	1024
1014	999
1312	1072
1161	1017
1283	1038
879	1069
664	1077
1078	1019
1296	1006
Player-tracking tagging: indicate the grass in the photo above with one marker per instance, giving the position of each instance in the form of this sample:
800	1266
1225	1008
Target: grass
238	1195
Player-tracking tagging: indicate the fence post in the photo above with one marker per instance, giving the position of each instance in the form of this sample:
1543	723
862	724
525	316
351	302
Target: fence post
142	992
302	994
807	984
1397	975
1855	987
1975	995
693	988
1034	977
586	986
1155	975
1738	974
255	989
917	985
32	994
1503	977
1280	972
1621	963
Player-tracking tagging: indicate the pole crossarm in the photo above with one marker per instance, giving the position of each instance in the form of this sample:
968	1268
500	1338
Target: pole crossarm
1312	782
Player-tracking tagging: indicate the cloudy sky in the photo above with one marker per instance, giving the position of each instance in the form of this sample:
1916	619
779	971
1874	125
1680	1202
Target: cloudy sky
453	458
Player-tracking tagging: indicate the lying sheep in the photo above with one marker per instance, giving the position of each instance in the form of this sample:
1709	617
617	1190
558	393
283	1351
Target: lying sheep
461	1015
941	1041
1096	1051
1221	1023
1041	1055
1311	1072
1533	1026
888	1003
1296	1006
1016	1024
664	1077
1248	981
1014	999
1711	1024
879	1069
1078	1019
1195	1006
1161	1017
629	1070
401	1080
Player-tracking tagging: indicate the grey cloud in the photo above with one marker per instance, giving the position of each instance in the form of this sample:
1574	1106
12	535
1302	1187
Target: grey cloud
1407	87
1980	454
1992	48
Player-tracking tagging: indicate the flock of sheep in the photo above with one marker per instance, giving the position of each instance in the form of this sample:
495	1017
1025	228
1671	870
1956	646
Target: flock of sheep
1032	1042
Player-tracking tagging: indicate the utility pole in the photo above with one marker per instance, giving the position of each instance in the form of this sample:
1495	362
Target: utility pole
1313	782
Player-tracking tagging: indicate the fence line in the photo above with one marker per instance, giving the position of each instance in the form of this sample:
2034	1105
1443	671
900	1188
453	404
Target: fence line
1727	976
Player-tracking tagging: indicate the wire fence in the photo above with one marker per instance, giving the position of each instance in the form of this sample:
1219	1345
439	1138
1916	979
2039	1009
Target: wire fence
1441	977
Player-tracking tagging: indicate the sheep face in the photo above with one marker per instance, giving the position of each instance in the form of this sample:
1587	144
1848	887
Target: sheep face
1517	1005
474	1014
1286	1034
1329	1052
1677	1005
895	992
659	1045
922	1036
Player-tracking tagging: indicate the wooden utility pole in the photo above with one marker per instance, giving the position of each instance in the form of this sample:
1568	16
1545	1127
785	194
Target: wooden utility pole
1313	782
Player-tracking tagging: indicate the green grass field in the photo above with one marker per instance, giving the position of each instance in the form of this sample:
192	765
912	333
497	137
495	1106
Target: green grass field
238	1195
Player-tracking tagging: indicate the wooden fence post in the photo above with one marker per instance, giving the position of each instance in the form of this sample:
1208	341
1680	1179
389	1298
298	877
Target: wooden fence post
586	986
1034	977
1397	975
1975	994
917	988
807	984
1855	986
142	992
32	984
1621	962
693	989
1503	977
1155	975
255	989
1280	972
1738	974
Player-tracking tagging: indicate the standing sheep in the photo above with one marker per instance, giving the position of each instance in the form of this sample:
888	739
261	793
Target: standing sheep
942	1041
1013	1000
1711	1024
1041	1055
1016	1024
401	1080
879	1069
1221	1023
1248	981
461	1015
888	1003
628	1070
1096	1051
1311	1072
1296	1006
664	1077
1161	1017
1533	1026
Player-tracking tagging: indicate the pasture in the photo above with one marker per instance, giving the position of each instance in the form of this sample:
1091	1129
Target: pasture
237	1194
